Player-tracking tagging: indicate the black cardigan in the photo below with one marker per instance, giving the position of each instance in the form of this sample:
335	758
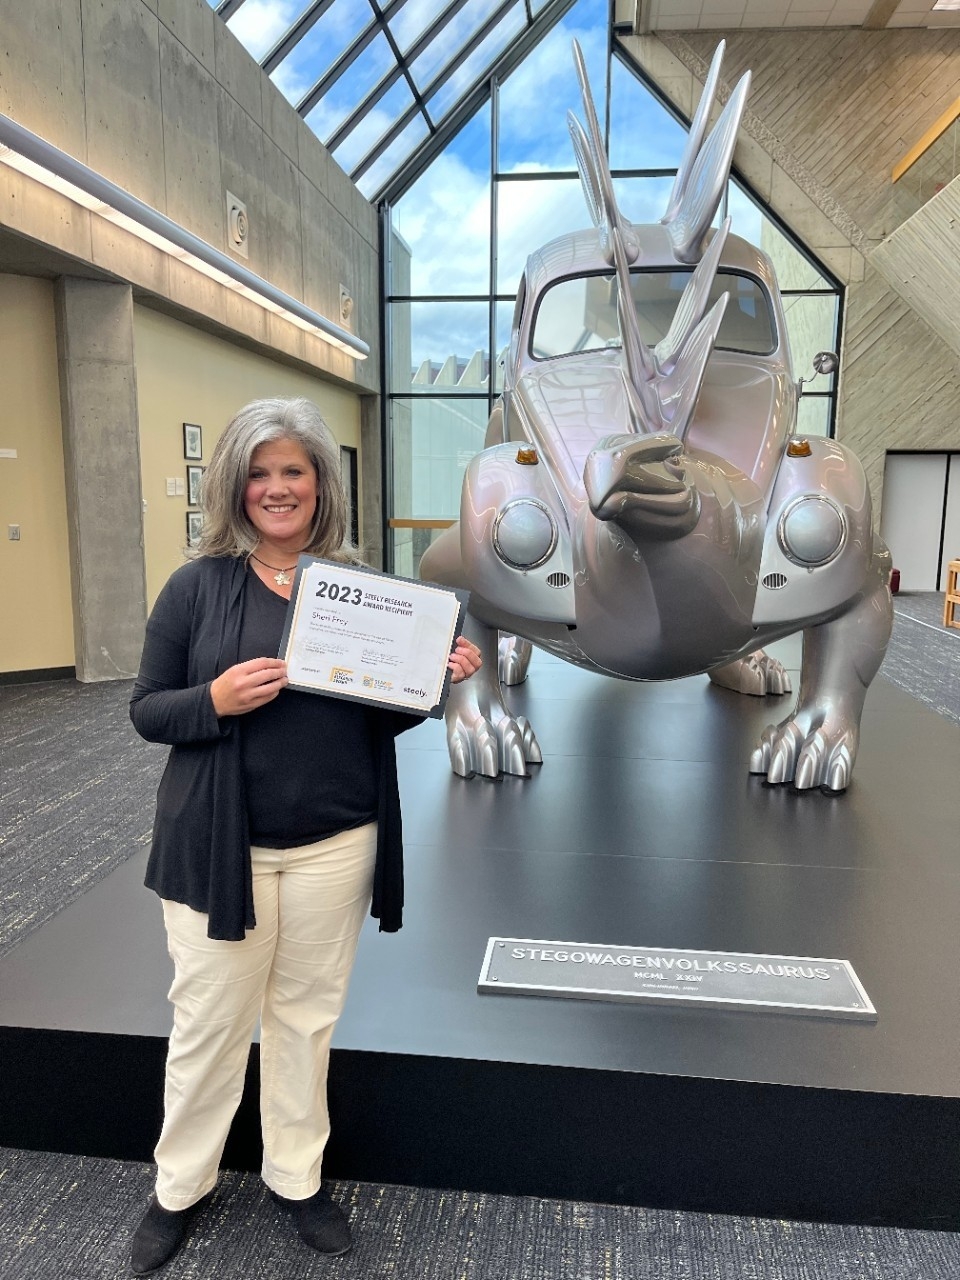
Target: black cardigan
201	844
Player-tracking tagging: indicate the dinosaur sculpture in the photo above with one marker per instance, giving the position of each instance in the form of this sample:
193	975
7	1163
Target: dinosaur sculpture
642	506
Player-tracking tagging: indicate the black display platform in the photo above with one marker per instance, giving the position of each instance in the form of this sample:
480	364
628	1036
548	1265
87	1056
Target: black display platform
641	828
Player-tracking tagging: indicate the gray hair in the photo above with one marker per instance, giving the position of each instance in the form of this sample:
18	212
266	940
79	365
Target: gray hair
227	529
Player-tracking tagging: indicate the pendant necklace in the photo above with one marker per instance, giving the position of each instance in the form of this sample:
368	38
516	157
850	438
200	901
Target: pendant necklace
280	576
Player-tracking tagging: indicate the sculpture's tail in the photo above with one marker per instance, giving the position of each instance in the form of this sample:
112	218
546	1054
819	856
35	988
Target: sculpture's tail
662	383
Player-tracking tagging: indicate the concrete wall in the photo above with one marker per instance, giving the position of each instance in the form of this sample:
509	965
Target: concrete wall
920	259
160	97
36	621
830	112
186	376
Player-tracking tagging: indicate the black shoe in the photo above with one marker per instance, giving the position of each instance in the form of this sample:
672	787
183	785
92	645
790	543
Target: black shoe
320	1223
161	1233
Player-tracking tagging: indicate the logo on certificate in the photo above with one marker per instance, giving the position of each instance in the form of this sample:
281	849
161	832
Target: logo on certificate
375	683
341	675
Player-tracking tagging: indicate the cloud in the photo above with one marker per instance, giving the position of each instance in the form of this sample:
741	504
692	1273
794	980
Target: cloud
535	98
416	16
445	221
293	84
259	24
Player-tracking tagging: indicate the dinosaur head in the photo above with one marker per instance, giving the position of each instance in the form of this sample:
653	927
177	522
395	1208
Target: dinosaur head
640	483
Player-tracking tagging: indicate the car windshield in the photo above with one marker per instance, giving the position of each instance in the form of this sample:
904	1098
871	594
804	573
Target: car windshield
580	314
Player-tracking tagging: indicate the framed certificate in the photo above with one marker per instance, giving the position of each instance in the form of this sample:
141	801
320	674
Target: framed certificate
371	637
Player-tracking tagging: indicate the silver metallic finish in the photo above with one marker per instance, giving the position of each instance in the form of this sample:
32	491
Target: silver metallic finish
692	525
514	658
525	534
705	979
826	362
812	530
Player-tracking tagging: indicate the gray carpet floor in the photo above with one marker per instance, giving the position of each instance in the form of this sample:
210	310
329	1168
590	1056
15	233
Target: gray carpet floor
76	800
71	1217
77	795
923	657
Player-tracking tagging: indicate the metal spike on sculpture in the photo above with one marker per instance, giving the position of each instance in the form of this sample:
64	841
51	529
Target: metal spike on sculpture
643	506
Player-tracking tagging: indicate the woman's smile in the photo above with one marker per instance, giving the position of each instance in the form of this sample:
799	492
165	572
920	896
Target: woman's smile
280	498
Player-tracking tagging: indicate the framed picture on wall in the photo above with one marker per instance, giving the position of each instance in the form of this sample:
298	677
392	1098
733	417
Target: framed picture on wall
194	477
194	528
192	440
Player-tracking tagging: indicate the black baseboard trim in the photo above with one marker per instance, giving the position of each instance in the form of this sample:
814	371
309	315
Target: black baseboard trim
38	676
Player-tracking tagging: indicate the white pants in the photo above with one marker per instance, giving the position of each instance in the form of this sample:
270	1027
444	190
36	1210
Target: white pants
292	972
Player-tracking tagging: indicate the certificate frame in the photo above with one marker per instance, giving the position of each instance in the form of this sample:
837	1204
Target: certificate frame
392	600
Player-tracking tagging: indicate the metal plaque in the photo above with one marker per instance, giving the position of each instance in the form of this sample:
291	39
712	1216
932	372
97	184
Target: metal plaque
727	979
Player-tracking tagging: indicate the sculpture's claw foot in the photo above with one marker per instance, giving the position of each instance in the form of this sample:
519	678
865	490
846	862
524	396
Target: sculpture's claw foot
513	659
756	674
821	755
473	749
480	745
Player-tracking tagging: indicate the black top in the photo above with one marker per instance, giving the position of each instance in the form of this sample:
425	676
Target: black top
309	762
201	840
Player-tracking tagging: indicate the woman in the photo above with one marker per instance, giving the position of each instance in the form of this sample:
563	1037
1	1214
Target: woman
278	820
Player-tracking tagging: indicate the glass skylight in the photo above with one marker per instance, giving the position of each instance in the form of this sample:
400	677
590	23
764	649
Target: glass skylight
375	80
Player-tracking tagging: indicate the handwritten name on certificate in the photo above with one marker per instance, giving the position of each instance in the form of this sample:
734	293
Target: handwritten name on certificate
371	637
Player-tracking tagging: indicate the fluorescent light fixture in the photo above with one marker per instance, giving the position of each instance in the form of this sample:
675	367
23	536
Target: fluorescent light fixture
946	6
38	159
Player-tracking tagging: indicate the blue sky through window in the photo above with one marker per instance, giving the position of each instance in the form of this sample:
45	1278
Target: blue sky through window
445	218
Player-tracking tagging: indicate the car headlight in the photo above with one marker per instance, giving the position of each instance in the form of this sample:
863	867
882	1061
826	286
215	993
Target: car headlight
812	530
524	534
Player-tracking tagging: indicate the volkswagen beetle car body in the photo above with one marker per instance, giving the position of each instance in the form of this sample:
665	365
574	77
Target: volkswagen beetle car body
643	506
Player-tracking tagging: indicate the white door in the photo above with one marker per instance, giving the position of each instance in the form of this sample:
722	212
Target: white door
911	523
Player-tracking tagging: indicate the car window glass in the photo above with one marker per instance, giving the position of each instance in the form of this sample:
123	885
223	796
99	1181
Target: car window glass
580	314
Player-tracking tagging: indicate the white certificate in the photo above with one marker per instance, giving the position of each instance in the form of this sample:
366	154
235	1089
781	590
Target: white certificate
371	637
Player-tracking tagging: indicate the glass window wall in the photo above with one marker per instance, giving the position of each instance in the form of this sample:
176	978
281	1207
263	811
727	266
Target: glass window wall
438	345
643	133
433	440
466	203
464	214
440	229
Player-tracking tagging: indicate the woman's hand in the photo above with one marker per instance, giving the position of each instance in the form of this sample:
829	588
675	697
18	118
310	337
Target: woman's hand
248	685
464	660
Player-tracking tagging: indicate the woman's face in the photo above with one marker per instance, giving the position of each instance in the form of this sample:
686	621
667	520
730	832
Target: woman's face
281	494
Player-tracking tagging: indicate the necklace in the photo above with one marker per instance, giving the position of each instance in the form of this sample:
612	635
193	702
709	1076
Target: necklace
280	576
